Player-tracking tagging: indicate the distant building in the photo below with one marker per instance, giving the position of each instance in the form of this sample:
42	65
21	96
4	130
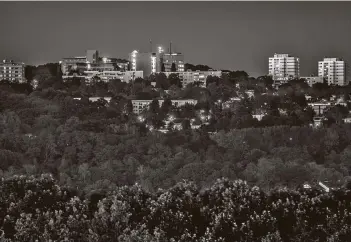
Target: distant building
318	121
140	105
12	71
258	116
124	76
320	107
167	59
188	77
333	70
311	80
145	62
152	62
283	67
92	62
347	119
95	99
230	103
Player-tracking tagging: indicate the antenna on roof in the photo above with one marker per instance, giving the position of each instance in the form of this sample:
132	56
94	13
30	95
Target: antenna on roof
150	46
170	47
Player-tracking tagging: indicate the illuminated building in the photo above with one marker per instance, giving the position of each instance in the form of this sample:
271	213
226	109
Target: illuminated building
146	62
152	62
92	62
124	76
168	59
12	71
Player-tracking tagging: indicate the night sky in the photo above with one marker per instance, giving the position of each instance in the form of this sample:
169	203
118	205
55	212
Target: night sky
223	35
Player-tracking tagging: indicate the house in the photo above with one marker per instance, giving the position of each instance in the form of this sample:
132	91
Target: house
320	107
140	105
318	121
95	99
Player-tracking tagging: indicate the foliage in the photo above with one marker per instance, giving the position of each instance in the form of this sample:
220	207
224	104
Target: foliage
38	209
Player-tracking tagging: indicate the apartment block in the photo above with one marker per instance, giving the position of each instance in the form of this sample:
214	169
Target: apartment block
283	67
188	77
124	76
12	71
140	105
311	80
333	70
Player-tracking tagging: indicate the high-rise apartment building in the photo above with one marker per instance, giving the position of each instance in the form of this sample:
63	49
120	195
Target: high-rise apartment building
333	70
12	71
283	67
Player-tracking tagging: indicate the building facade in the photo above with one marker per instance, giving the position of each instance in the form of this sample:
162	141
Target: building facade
145	62
320	107
141	105
92	62
311	80
12	71
188	77
283	67
152	62
124	76
167	59
333	70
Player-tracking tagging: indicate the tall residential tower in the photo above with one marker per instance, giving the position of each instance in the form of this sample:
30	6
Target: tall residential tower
283	67
333	70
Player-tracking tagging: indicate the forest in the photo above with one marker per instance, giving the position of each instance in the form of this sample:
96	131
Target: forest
38	209
110	175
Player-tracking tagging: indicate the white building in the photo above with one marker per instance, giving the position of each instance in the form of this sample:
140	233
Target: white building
12	71
320	107
283	67
92	62
189	76
140	105
311	80
124	76
333	70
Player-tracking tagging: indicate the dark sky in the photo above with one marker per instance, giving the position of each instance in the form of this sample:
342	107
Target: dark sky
223	35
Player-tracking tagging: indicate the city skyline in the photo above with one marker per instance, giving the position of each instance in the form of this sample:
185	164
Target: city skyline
225	35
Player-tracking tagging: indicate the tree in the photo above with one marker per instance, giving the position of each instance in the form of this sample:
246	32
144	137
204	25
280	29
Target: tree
173	67
174	92
186	124
175	80
166	106
162	81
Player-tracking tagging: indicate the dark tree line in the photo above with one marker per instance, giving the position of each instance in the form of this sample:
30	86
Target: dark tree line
40	209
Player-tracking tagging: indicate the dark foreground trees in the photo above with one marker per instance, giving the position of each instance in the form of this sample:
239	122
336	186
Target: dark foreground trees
38	209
